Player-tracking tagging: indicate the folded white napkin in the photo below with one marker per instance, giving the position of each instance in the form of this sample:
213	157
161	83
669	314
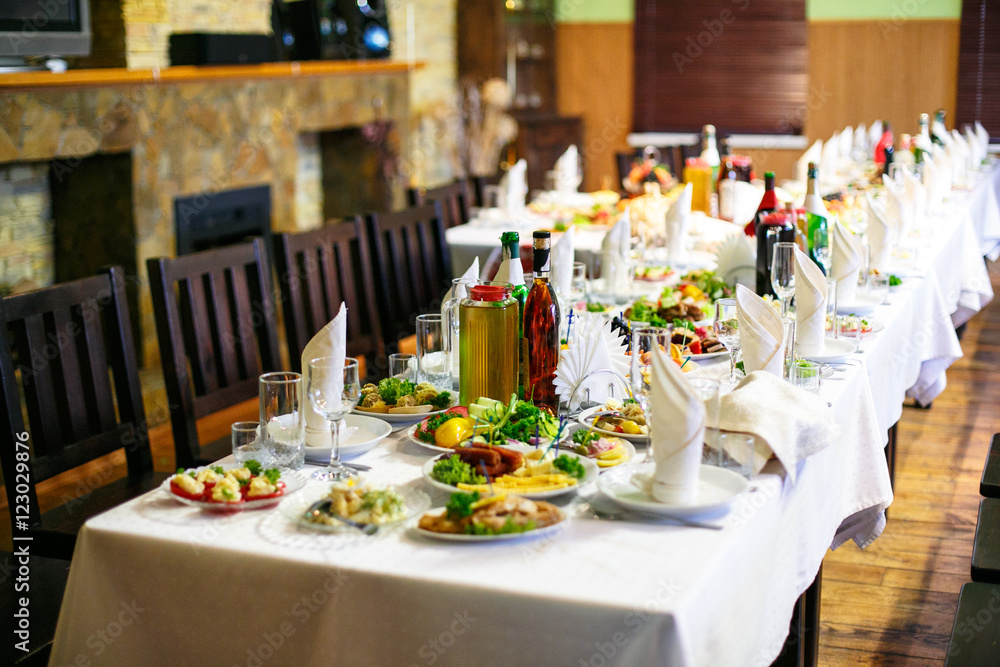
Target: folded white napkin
983	135
846	252
331	341
677	223
846	143
813	154
915	192
943	171
860	139
810	305
941	132
899	208
976	147
592	347
513	189
961	157
746	199
789	422
562	262
830	156
568	172
932	184
880	233
677	432
460	291
762	333
874	136
614	256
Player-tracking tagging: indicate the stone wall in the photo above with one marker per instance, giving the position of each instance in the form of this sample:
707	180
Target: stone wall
26	231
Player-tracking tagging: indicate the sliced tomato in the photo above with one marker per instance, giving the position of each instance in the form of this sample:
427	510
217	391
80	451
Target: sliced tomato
695	347
178	491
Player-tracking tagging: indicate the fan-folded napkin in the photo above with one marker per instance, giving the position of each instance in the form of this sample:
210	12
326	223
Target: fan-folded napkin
810	305
331	341
879	234
914	191
513	189
762	333
614	255
789	422
677	432
592	347
846	263
562	263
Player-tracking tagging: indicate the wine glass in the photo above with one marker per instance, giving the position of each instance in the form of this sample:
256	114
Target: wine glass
727	330
333	401
821	249
783	274
644	341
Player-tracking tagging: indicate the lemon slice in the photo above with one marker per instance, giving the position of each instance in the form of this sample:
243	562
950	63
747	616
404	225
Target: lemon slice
483	502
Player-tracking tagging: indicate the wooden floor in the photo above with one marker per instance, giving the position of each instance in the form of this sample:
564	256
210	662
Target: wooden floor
894	602
891	604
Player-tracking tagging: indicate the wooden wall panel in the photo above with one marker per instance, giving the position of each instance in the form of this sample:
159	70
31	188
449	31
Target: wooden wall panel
594	80
863	70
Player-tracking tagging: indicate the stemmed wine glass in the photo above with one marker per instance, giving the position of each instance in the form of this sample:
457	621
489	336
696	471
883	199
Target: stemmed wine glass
644	341
727	330
334	402
783	274
821	249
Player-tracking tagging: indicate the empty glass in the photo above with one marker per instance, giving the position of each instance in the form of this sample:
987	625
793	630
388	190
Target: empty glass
644	341
736	452
247	444
783	273
806	375
707	390
282	420
459	290
403	366
821	248
831	307
433	352
578	287
789	351
851	329
879	288
727	330
334	390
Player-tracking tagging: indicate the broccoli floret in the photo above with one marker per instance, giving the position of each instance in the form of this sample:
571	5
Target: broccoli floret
392	389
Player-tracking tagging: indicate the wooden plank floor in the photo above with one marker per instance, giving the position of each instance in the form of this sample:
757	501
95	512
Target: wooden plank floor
894	602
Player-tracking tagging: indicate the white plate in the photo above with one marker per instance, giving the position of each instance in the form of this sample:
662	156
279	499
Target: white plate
833	350
628	446
293	482
862	305
416	502
400	418
584	418
370	431
507	537
709	355
411	434
591	474
717	489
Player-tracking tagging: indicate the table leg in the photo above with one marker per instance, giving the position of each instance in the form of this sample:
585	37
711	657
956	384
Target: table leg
802	645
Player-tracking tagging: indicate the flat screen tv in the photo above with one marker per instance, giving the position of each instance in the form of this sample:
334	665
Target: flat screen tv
43	28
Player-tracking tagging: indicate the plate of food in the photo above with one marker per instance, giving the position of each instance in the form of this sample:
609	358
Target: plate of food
697	342
869	325
366	432
535	473
470	517
621	420
401	401
486	422
322	508
232	487
607	451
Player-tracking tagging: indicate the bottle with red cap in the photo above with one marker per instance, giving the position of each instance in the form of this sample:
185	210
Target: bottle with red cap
488	343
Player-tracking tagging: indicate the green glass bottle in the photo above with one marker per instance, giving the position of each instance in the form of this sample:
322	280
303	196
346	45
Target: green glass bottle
816	213
512	272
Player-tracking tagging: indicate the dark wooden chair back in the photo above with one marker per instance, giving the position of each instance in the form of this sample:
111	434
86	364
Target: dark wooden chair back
318	270
455	199
69	349
215	323
412	263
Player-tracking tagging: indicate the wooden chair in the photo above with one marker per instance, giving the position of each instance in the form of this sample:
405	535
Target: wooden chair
412	264
989	483
479	185
455	200
215	323
316	271
975	643
69	348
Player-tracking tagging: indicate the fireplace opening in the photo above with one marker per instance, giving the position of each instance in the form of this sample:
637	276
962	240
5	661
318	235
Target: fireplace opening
213	220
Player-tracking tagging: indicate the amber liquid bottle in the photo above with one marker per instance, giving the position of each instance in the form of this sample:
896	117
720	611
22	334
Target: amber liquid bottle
541	328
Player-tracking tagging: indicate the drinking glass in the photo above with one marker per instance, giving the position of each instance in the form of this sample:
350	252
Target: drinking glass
831	307
433	352
282	420
783	273
707	390
644	341
578	286
850	330
459	290
247	444
736	452
806	375
821	249
879	287
727	330
333	401
788	354
403	366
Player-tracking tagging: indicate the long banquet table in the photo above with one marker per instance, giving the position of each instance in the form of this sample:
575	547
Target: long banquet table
154	582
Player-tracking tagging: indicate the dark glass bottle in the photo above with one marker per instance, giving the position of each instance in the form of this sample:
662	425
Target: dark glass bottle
541	328
768	204
775	227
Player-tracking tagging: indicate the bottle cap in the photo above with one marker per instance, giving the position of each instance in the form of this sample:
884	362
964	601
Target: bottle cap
541	235
488	292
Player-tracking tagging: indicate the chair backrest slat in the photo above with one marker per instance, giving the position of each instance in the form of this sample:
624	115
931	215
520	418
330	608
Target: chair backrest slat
218	291
244	339
455	200
95	370
39	389
69	381
198	335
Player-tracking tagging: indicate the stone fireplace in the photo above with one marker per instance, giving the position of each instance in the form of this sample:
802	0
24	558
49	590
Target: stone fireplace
150	143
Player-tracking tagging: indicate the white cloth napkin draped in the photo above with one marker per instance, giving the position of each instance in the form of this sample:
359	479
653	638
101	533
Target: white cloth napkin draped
789	422
846	252
762	333
880	232
810	305
677	432
562	262
677	224
614	255
813	154
568	172
331	341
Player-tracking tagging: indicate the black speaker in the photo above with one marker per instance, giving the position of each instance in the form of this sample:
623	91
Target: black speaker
220	49
336	29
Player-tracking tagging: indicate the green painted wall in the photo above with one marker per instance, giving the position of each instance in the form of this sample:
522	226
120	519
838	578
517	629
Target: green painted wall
623	11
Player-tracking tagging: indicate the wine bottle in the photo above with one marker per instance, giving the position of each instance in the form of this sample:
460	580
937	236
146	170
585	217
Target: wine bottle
775	227
768	204
816	213
512	272
922	142
726	188
710	150
541	329
884	143
939	130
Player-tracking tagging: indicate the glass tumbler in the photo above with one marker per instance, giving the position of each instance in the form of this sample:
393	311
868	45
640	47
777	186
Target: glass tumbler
247	444
282	419
434	352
